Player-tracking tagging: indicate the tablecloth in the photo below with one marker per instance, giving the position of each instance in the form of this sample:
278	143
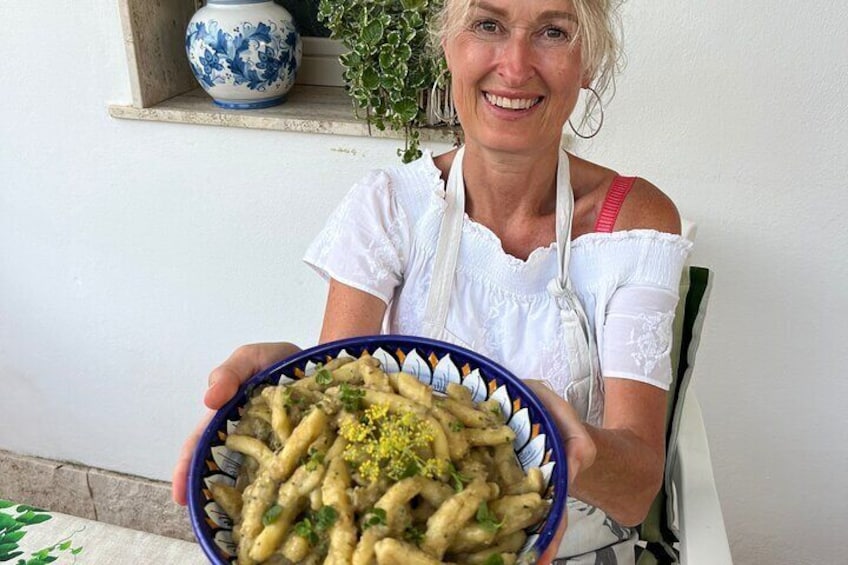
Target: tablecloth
34	536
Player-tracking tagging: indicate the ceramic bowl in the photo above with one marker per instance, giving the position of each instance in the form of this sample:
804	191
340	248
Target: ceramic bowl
537	441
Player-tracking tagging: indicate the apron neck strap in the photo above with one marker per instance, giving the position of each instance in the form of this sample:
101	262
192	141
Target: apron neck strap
447	251
564	218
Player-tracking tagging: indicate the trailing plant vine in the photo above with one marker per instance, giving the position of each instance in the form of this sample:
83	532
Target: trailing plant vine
389	67
13	527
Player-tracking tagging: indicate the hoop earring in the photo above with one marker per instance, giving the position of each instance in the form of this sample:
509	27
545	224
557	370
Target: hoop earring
440	106
600	105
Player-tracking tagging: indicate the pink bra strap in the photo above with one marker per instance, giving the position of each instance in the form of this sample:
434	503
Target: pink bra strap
612	203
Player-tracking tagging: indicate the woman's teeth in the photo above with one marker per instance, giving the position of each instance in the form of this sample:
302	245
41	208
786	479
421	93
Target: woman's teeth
511	103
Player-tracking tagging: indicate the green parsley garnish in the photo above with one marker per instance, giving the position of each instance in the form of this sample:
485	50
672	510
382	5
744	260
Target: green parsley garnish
323	377
458	478
413	535
305	530
325	518
272	514
289	399
487	519
351	397
494	559
314	458
321	521
374	517
456	426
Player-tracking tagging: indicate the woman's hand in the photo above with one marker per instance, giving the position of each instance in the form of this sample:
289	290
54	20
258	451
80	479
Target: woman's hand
224	382
580	449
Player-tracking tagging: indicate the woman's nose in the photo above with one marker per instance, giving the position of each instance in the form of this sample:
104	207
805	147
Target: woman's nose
516	60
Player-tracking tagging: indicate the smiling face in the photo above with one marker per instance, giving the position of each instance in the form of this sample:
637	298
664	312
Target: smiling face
516	73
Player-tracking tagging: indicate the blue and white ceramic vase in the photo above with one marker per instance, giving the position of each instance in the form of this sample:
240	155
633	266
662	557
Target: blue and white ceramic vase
244	53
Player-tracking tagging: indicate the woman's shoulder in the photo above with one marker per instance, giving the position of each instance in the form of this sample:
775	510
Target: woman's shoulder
645	206
409	180
648	207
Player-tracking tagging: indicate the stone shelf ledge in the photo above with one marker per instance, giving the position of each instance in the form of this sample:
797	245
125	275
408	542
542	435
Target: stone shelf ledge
308	109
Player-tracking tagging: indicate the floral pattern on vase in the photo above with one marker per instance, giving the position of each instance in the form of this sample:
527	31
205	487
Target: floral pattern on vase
244	59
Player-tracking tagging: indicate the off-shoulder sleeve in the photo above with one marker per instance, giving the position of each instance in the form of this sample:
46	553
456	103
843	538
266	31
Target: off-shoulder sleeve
635	279
638	334
364	243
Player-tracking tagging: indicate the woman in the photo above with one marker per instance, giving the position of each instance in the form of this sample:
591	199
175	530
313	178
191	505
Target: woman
524	253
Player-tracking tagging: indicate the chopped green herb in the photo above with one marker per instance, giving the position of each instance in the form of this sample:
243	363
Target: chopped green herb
314	458
458	478
320	521
413	535
289	399
351	397
456	426
325	518
305	530
494	559
487	519
272	514
412	469
374	517
323	377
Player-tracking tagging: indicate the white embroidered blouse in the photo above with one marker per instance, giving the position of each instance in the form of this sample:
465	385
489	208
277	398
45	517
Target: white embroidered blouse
381	239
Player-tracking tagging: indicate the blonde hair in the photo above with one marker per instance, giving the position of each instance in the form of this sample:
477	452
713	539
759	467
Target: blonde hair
598	34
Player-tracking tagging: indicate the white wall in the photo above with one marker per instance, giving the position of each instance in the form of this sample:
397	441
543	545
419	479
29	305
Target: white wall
134	256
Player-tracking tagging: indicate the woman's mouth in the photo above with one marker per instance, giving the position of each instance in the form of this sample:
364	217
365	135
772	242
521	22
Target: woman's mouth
510	103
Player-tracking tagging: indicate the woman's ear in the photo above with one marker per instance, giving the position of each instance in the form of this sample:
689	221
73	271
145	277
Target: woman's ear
444	45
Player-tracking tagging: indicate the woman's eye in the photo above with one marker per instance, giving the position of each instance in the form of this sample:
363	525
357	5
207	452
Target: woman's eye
486	26
556	33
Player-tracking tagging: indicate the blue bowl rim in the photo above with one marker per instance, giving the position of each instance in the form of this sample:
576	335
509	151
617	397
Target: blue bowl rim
560	477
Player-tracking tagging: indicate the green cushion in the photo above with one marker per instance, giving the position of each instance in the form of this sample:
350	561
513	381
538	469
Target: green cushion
656	530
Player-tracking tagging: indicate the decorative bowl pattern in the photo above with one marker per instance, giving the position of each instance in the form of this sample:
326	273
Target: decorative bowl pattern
537	442
244	53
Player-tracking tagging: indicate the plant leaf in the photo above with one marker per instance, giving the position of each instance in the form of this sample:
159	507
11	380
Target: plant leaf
7	521
10	556
373	32
12	537
31	518
370	78
25	507
6	548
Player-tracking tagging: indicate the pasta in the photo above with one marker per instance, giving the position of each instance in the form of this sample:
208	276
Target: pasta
353	465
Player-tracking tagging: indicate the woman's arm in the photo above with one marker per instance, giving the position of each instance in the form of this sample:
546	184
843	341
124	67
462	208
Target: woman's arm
630	459
350	312
619	466
628	468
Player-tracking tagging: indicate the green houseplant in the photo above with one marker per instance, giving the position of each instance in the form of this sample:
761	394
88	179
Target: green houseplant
389	67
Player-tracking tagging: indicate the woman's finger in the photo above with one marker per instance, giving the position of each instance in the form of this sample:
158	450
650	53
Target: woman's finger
246	361
179	480
551	552
580	448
